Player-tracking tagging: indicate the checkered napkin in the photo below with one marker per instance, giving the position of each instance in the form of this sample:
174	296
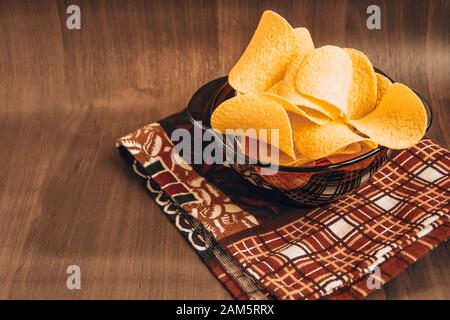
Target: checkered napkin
259	248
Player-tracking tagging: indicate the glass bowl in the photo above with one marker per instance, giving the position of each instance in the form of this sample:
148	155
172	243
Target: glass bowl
302	186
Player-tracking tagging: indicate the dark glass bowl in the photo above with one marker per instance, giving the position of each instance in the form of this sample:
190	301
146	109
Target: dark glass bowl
305	186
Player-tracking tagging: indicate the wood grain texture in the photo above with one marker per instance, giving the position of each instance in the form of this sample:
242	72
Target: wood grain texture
66	197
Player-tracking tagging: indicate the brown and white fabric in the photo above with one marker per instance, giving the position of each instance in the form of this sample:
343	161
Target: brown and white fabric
259	248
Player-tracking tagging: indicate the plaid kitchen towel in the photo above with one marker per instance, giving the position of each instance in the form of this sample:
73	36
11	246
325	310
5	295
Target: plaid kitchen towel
259	248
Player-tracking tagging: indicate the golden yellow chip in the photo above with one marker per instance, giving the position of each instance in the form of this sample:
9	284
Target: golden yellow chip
316	141
305	42
266	58
398	122
255	111
382	84
261	151
288	90
326	74
340	157
350	149
363	91
311	114
328	104
275	89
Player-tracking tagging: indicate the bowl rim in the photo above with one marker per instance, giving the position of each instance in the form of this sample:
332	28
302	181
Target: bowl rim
247	160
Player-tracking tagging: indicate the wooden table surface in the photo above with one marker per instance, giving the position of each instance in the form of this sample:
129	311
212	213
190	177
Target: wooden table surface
66	197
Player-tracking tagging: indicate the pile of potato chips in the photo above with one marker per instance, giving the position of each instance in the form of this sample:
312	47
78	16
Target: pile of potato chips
327	102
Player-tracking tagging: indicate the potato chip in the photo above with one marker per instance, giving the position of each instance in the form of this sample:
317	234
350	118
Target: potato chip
266	58
398	122
382	84
340	157
316	141
261	151
311	114
288	90
363	90
305	42
275	89
328	104
326	74
350	149
255	111
336	158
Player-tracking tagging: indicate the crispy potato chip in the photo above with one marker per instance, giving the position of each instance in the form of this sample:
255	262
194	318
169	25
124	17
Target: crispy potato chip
288	90
275	88
255	111
305	42
316	141
328	104
336	158
266	58
398	122
363	91
350	149
311	114
259	150
340	157
382	84
326	74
